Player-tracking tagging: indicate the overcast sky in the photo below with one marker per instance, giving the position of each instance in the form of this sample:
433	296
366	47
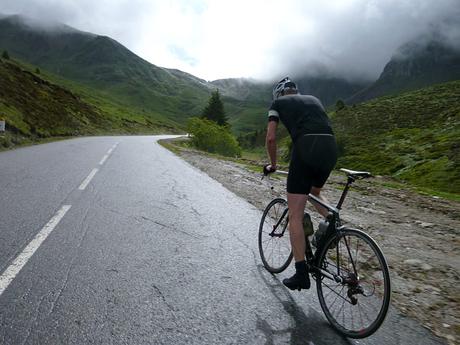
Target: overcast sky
255	38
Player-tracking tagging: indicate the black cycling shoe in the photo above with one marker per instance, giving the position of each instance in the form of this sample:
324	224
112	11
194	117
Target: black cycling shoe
298	281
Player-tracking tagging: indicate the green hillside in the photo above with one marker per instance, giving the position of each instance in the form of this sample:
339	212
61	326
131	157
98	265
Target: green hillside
34	107
117	74
100	63
414	136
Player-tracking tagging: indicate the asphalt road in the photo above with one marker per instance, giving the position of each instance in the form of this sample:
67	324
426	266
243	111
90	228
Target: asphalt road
144	250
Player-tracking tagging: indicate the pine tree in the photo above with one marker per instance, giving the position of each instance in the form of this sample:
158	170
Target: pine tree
5	55
214	111
339	105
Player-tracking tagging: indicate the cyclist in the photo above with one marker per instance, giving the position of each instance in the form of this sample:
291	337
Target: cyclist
314	155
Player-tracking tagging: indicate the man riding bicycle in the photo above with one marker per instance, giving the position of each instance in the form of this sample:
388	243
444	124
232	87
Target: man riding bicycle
314	155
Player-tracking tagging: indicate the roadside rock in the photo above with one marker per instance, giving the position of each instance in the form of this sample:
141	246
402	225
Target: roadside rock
415	263
425	224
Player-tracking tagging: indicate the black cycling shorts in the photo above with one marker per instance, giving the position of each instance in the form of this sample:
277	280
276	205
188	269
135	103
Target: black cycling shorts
313	158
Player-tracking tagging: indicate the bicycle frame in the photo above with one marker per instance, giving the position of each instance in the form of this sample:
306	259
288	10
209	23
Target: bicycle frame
281	234
334	219
333	210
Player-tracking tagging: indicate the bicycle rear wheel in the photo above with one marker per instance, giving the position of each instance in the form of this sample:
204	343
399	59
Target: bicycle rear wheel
356	304
274	243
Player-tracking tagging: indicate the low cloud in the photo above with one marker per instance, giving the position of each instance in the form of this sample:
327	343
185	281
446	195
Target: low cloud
264	39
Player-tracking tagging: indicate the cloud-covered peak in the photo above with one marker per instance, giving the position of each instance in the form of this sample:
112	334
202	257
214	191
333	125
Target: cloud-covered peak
260	38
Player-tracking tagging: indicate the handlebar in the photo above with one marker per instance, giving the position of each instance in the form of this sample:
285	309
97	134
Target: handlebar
282	172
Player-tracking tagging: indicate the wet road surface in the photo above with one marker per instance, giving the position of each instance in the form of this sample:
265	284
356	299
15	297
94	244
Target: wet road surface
115	240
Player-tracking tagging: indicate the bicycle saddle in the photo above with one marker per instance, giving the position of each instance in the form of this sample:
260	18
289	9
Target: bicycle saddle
356	174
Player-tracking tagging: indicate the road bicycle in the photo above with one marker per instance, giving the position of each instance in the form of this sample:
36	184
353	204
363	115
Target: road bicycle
350	270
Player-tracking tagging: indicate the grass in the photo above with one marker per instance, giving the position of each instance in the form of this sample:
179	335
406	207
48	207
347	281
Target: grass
36	106
114	106
435	193
412	137
8	141
170	145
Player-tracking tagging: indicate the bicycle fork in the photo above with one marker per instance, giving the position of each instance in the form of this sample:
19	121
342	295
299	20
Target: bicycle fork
281	234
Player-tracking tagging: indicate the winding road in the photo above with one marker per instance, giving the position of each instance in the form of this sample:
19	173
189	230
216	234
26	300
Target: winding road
115	240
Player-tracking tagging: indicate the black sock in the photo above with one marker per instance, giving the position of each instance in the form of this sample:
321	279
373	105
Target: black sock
301	267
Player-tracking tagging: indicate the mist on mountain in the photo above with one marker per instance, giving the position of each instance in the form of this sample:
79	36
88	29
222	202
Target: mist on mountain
37	24
424	61
352	40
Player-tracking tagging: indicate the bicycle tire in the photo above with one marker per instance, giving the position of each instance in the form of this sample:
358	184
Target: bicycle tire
369	273
274	243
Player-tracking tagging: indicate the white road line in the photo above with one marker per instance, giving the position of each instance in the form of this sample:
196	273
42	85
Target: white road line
11	272
103	159
109	152
88	179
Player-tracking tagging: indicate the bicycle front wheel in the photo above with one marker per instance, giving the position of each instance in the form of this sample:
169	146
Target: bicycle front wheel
274	242
357	300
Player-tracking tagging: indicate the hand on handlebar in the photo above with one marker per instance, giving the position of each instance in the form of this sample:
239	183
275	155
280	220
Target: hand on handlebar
268	169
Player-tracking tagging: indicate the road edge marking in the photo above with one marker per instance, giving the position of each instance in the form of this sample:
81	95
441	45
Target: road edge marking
21	260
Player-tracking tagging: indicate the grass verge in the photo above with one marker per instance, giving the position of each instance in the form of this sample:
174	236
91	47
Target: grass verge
253	161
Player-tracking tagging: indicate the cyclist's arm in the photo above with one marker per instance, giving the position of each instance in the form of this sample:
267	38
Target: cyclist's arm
270	141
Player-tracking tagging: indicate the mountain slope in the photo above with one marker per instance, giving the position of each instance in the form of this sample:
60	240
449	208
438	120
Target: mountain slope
413	136
104	64
34	107
329	89
247	100
416	64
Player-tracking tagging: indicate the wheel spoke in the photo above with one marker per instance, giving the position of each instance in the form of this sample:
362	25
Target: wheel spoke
275	251
358	307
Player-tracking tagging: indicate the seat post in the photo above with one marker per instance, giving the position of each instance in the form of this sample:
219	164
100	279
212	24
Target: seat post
350	180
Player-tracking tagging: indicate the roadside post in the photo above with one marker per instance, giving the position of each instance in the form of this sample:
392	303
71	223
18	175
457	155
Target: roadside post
2	126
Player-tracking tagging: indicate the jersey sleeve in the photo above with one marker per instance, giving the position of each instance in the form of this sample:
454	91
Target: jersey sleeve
318	102
273	114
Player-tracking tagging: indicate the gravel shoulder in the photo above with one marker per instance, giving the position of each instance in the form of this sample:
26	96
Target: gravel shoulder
418	234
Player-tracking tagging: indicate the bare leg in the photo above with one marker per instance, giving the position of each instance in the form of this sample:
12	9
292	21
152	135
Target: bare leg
300	280
296	204
322	210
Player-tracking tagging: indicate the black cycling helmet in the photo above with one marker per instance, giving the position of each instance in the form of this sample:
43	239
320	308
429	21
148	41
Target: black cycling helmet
281	87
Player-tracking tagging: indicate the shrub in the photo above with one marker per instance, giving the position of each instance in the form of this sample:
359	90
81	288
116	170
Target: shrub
210	137
5	141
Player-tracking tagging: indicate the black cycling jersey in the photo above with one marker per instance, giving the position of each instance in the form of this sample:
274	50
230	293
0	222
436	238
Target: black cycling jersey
300	114
314	151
